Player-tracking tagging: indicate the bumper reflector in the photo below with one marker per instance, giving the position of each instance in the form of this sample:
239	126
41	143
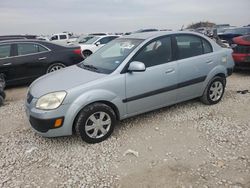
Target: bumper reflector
58	122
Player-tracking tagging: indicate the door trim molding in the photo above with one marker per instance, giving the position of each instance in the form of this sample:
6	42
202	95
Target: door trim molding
166	89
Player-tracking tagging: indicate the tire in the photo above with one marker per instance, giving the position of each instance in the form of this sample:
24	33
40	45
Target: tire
214	91
2	93
1	100
86	53
89	126
55	67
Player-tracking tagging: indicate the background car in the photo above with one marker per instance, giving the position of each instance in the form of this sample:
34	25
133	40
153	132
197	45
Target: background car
22	61
229	34
241	54
94	43
63	38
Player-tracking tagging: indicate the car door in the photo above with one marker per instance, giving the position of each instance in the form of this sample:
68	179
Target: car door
6	61
155	87
195	61
31	59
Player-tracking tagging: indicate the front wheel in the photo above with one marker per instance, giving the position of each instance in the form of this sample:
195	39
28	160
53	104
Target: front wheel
214	91
95	123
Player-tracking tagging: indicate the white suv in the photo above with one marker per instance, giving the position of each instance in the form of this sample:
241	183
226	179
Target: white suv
96	42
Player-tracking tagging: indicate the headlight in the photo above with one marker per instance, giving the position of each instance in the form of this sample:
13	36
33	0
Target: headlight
51	101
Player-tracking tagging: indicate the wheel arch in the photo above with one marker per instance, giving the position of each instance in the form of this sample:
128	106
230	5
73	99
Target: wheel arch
108	103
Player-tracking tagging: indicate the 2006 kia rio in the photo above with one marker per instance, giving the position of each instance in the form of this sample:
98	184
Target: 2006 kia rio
129	76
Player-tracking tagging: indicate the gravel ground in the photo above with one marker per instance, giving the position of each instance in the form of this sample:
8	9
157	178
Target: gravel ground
185	145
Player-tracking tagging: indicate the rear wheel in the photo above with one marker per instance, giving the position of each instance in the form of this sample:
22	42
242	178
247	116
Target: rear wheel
55	67
214	91
95	123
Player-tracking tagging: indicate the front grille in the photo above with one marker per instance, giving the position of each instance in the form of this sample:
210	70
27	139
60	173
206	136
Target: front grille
29	98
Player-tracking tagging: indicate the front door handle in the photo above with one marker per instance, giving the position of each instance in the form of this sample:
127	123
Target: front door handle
42	58
169	70
7	64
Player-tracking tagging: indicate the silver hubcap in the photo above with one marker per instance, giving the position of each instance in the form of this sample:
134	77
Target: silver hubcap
56	68
216	91
98	125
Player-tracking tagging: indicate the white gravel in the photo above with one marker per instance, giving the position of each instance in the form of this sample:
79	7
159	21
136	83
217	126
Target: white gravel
185	145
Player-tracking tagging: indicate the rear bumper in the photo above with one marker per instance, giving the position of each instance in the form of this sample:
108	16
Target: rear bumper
241	58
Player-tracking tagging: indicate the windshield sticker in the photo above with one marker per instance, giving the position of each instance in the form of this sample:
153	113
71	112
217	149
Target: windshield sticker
127	45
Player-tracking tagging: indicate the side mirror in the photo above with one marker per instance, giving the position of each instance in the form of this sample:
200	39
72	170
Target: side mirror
136	66
97	43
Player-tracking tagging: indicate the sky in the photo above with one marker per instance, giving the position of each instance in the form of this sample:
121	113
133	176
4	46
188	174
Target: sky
87	16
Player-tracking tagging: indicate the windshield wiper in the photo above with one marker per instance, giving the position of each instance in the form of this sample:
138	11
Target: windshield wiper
91	67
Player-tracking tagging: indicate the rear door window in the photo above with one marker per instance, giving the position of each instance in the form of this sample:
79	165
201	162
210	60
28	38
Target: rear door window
189	46
30	48
5	51
26	48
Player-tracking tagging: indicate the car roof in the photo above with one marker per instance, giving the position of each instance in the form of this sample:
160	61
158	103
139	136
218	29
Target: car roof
155	34
21	40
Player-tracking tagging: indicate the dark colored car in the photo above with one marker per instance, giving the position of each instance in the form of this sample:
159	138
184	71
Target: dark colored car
241	54
229	34
22	61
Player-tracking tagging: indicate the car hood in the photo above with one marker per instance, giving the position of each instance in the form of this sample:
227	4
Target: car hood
63	80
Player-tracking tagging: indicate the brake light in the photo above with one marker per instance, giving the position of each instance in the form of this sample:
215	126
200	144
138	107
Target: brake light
78	51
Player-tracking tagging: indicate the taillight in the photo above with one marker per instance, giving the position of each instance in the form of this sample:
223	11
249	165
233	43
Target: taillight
78	51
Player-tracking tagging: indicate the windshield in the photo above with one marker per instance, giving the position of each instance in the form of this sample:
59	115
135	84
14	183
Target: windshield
109	57
84	39
92	40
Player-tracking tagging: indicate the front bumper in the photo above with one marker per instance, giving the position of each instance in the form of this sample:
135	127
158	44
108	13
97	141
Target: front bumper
44	125
43	122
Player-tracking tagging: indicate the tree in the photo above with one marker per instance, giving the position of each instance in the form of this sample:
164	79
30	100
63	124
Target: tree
200	24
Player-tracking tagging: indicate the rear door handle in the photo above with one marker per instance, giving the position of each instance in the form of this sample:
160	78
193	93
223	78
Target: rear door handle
42	58
169	70
7	64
